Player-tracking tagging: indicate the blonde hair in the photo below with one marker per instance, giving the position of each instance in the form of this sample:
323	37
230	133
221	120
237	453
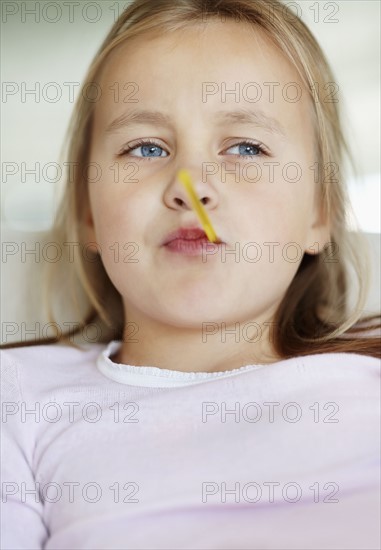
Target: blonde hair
314	312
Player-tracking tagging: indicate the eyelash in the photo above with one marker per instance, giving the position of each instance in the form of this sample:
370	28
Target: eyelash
143	142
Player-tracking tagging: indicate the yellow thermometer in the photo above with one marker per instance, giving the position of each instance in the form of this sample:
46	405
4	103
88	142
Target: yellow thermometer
186	180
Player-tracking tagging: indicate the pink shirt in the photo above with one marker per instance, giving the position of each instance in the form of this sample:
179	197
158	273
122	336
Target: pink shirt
97	455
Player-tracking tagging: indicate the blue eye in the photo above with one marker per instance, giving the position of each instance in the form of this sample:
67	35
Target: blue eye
248	149
149	149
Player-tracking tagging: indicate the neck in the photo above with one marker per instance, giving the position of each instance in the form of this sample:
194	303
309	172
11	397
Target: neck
211	347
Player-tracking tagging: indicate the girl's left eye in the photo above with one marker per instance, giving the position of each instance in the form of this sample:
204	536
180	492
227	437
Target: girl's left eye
151	149
248	148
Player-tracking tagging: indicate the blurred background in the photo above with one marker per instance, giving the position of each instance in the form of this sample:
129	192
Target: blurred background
48	46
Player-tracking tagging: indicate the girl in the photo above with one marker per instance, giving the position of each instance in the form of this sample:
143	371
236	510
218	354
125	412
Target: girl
231	399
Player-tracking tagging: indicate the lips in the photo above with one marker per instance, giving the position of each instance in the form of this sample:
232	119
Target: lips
187	234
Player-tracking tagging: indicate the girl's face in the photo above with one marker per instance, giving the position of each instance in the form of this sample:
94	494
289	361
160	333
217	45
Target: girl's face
207	99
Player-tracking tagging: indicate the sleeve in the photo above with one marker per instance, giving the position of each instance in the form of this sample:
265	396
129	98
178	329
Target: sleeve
22	525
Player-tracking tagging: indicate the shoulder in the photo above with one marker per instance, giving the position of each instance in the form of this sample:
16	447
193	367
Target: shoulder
341	363
344	373
28	367
48	355
346	360
350	374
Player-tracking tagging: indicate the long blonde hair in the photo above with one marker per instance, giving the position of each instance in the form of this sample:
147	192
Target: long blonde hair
314	313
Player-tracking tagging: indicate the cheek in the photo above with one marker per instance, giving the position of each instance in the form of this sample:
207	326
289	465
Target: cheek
117	210
118	227
276	211
116	198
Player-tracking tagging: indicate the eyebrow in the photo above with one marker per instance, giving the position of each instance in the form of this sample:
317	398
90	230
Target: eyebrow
139	117
240	116
255	118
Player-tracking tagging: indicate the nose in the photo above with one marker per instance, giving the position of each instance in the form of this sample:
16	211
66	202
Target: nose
176	197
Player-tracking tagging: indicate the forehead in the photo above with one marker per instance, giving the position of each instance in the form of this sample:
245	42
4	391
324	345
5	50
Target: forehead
175	71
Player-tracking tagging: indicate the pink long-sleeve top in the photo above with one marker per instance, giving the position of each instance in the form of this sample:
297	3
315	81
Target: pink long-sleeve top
99	455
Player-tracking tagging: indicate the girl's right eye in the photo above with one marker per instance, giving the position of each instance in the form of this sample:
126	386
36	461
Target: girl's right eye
149	149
